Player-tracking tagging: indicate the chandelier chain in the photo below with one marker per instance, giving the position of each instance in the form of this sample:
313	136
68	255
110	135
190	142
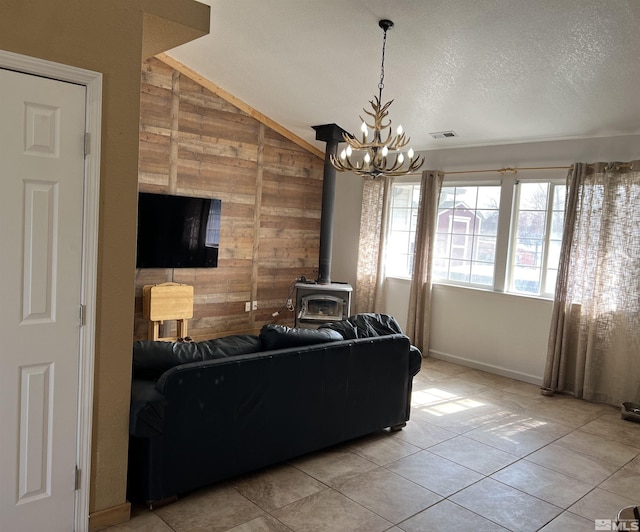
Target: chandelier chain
381	84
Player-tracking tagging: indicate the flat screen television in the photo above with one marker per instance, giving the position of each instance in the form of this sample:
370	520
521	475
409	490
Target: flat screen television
177	231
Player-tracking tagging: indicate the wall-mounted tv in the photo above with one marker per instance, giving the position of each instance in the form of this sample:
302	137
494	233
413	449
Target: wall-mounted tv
177	231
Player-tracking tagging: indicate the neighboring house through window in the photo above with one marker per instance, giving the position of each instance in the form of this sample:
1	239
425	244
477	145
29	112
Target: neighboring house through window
466	234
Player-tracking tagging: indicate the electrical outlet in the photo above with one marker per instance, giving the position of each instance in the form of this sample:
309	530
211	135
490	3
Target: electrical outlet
247	306
255	305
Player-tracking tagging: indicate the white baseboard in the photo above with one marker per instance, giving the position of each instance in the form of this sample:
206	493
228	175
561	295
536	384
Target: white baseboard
489	368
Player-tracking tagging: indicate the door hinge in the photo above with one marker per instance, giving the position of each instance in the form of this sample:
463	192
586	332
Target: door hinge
77	479
83	315
87	144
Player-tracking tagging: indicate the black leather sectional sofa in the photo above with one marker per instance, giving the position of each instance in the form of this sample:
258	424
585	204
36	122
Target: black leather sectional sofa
206	411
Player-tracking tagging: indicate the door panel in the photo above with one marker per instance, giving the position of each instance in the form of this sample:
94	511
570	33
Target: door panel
41	204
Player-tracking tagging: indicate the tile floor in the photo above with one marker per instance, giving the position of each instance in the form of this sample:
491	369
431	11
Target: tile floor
481	452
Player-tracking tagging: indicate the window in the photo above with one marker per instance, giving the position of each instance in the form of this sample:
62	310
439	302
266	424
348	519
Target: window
402	229
503	235
466	234
536	237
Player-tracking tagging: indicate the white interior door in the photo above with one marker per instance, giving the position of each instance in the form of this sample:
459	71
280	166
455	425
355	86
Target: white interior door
42	124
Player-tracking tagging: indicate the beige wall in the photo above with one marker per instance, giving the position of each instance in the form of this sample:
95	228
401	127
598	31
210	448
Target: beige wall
108	37
500	333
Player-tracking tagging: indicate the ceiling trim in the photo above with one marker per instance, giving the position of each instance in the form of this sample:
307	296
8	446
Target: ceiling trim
219	91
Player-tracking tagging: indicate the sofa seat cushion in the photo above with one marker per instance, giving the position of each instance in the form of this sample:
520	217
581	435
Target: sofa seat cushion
152	358
281	337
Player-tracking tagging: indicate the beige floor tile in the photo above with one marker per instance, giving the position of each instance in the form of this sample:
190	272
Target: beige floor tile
612	427
448	516
433	396
611	451
329	511
569	411
382	448
482	416
423	434
511	402
435	473
571	404
473	454
490	380
464	406
460	415
505	505
522	388
634	465
571	419
568	522
145	521
391	496
546	484
277	486
623	482
429	375
576	465
264	523
442	366
213	510
601	504
334	466
459	385
519	434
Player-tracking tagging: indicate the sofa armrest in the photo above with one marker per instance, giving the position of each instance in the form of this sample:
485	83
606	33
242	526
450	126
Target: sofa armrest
415	360
146	415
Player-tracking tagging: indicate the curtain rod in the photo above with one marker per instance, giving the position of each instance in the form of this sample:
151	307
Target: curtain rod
510	170
515	170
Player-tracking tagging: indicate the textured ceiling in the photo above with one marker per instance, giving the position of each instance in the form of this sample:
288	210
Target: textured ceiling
493	71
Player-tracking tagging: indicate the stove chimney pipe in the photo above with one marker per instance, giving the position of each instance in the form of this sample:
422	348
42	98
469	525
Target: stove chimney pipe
332	135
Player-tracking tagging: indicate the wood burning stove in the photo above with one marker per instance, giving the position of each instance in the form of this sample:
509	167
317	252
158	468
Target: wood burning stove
321	303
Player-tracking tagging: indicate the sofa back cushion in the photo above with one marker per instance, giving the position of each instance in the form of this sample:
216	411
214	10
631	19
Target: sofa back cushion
365	325
152	358
228	346
281	337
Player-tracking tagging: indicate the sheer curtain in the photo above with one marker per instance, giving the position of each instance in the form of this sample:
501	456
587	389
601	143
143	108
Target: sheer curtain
373	229
594	340
420	292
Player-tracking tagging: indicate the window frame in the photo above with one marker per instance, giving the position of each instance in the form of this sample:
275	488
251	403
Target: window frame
511	264
456	182
506	234
415	183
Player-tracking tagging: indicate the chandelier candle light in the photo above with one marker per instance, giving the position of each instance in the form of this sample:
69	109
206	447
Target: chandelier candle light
378	157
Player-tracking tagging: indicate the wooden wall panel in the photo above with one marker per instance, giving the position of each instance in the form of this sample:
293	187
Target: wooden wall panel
195	143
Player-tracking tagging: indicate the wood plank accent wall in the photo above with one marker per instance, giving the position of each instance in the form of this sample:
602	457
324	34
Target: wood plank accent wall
195	143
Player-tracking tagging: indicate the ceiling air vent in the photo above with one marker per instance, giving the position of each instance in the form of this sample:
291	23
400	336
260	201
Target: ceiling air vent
443	134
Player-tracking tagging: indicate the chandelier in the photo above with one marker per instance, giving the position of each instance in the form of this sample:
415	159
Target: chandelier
379	153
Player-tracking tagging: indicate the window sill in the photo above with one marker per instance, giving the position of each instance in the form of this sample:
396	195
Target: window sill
398	278
491	291
407	280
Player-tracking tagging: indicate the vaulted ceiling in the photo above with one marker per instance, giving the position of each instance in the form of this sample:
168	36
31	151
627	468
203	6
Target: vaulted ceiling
493	71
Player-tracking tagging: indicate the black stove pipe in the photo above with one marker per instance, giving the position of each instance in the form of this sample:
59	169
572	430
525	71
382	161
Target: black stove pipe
332	135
